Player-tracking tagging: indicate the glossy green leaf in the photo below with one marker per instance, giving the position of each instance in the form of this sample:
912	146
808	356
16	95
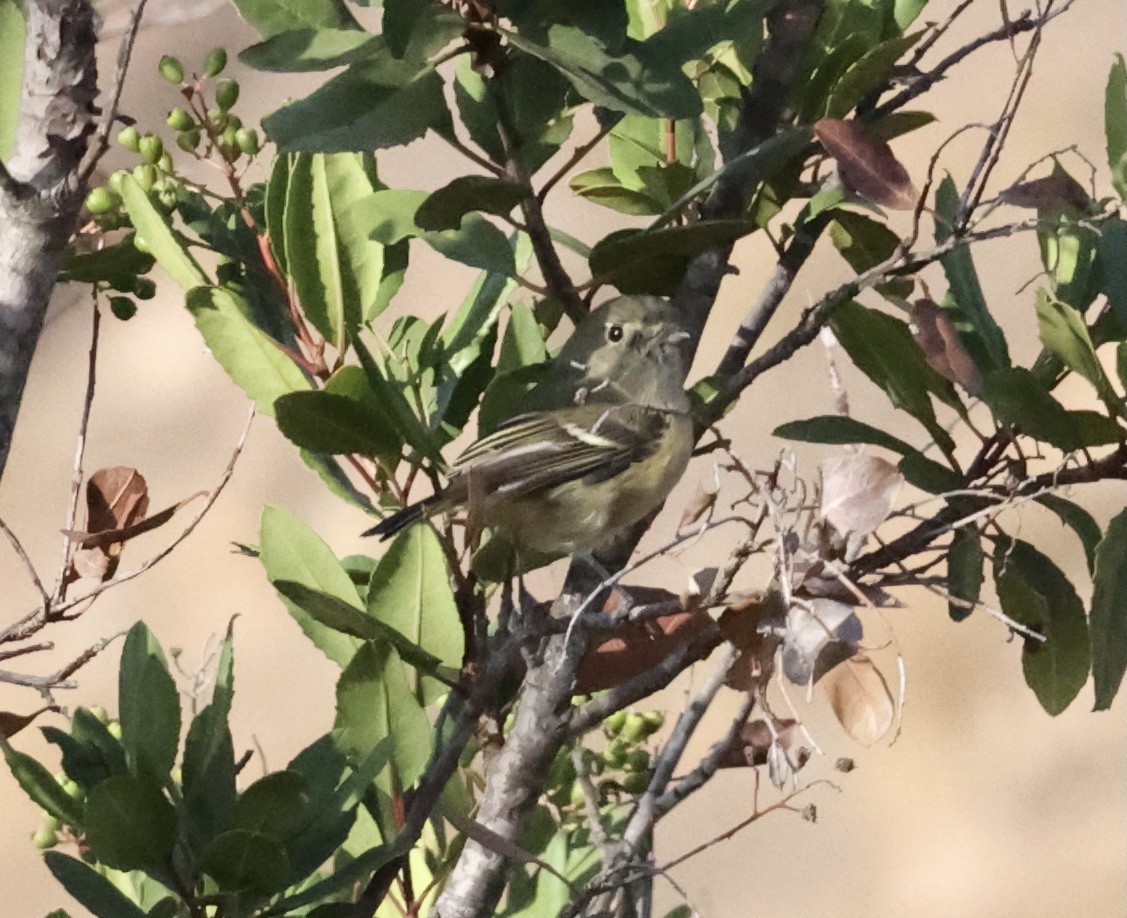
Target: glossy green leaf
867	73
92	890
601	186
444	209
864	243
882	347
377	102
965	559
276	804
1076	518
38	783
833	428
375	701
325	422
1113	260
270	17
165	245
1064	333
13	31
253	360
478	243
1033	591
1016	397
305	50
1109	612
90	752
1115	124
239	860
118	265
1068	252
637	261
633	80
208	775
966	291
906	12
410	592
148	705
130	825
411	428
292	552
418	29
929	475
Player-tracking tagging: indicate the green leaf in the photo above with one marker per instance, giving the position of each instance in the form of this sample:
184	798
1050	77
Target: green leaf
335	265
149	706
882	347
1033	591
654	261
130	825
1017	397
867	73
635	79
164	244
906	12
1115	121
832	428
209	775
292	552
864	243
92	890
445	208
417	29
1109	612
1078	520
242	860
270	17
601	186
478	243
1064	333
13	32
410	592
964	571
253	360
118	265
90	752
304	50
962	277
324	422
1113	260
377	102
276	804
929	475
37	782
374	701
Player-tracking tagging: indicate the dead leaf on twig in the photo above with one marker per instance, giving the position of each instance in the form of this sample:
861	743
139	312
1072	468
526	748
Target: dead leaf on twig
698	587
702	501
11	724
867	164
820	634
858	492
861	699
943	349
1054	193
756	739
748	626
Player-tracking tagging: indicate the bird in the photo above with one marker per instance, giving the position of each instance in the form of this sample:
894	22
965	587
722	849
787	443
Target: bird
608	436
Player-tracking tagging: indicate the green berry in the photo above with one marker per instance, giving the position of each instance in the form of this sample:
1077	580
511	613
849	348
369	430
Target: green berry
165	162
189	140
100	714
246	139
100	200
116	178
171	69
655	720
229	135
141	245
613	724
218	118
576	797
123	308
114	726
634	730
44	838
151	148
72	790
214	63
144	288
615	756
227	94
637	760
145	176
51	822
179	120
129	137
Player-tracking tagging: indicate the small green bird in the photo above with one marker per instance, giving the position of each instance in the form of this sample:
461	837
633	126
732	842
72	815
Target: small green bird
610	438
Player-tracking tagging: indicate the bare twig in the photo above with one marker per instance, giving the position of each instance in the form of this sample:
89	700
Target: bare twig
19	550
60	679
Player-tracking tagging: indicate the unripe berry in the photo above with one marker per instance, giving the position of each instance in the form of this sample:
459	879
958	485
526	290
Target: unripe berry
145	176
246	139
227	94
215	61
179	120
124	308
151	148
44	838
189	140
171	69
100	200
129	137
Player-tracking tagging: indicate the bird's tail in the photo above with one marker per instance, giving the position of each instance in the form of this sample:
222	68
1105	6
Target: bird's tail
401	519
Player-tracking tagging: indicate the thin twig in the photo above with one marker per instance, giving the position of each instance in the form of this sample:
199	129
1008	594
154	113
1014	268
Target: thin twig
19	549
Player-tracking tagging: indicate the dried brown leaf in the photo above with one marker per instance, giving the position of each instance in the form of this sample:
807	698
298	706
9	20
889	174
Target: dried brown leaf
702	501
755	741
698	587
11	724
861	699
867	164
110	536
943	349
115	498
1053	193
858	492
819	635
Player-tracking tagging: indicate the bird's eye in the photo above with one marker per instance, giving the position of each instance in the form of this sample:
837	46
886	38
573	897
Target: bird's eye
614	333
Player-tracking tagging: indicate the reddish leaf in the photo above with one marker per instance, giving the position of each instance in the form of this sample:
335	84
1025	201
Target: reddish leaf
11	724
1053	193
861	699
943	349
867	164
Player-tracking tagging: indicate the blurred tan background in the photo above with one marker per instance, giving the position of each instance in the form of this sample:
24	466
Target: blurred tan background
985	807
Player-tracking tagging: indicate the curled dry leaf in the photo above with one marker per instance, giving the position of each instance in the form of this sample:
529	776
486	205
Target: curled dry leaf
819	635
753	746
751	625
943	349
699	585
1054	193
867	164
858	492
11	724
639	646
702	501
861	699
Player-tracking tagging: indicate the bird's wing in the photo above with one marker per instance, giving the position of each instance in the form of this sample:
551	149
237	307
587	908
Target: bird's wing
544	449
